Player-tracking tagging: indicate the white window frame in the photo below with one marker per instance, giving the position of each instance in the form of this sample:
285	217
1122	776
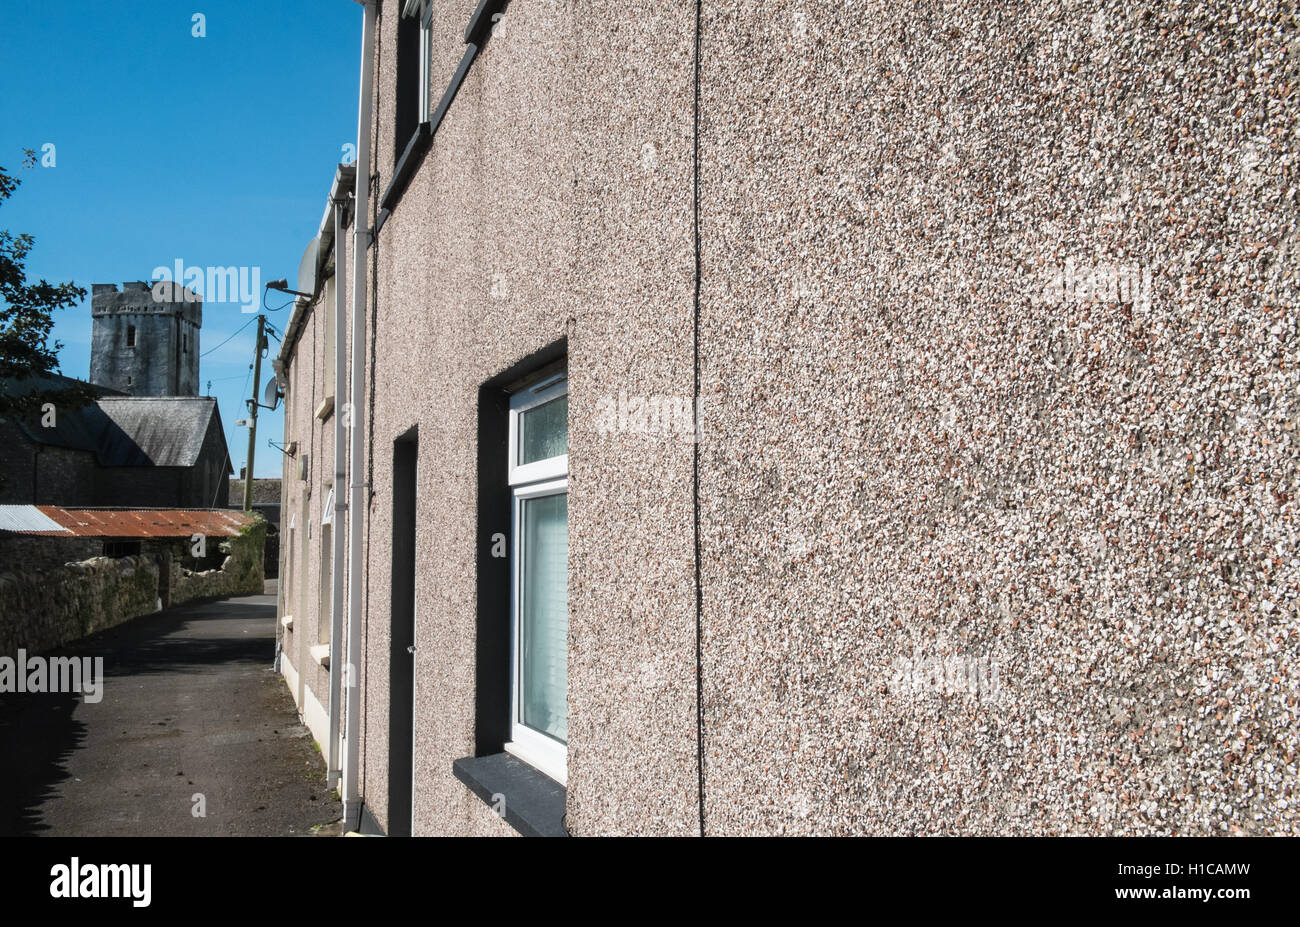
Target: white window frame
527	399
538	479
424	10
426	63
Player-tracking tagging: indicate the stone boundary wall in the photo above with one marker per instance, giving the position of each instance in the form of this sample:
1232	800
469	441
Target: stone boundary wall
34	552
44	609
241	573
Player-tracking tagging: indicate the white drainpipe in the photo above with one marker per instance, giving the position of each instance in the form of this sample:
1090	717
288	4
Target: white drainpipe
356	471
340	482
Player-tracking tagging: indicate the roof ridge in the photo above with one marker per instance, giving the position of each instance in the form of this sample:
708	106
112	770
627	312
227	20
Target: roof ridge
158	398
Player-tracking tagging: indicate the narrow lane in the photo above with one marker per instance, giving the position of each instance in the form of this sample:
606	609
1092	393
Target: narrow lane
192	719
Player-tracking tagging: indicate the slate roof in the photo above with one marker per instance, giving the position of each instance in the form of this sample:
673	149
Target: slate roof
134	431
154	431
79	429
21	386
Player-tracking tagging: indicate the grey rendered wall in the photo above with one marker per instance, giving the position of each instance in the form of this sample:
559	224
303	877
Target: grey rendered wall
633	763
555	203
437	335
997	460
989	551
303	500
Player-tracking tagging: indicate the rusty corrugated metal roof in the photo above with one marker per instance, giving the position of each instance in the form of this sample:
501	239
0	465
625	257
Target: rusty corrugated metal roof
137	523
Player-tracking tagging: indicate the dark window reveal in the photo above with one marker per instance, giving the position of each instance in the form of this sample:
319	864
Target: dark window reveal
407	95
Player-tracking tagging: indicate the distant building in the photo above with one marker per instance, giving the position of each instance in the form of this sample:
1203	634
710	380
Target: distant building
266	497
158	452
150	440
144	346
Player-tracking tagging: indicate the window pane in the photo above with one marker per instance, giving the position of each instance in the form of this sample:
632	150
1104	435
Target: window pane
545	615
544	431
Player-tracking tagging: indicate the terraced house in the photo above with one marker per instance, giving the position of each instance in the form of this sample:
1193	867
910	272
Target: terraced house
739	418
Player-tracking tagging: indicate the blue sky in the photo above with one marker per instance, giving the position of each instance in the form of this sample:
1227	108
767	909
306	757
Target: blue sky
216	150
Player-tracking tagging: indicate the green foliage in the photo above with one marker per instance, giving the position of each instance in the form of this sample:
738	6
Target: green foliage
26	318
248	550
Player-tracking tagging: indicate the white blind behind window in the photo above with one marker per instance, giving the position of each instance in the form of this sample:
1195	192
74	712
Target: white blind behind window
545	615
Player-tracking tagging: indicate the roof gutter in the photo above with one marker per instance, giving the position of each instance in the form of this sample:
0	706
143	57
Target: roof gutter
327	235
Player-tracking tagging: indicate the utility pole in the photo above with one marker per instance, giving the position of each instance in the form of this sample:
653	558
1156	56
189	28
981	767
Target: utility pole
253	405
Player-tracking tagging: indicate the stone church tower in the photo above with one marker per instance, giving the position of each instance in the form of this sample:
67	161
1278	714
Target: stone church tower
144	346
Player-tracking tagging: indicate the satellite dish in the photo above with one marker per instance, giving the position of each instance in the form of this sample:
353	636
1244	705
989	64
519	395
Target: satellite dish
307	268
271	398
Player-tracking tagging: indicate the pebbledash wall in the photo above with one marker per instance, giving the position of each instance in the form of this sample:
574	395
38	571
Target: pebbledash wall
989	526
306	371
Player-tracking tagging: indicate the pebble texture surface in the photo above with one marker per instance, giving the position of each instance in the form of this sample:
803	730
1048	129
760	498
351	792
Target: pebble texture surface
997	448
554	204
1000	402
472	273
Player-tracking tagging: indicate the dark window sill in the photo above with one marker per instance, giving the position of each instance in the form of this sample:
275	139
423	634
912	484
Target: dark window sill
480	23
405	168
533	803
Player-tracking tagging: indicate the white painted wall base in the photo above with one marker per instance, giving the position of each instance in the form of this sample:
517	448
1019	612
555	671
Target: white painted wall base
316	718
310	710
290	676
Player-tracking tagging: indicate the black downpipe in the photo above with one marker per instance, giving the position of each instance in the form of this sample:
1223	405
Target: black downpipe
699	587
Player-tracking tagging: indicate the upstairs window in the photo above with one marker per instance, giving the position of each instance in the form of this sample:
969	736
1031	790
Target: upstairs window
130	336
414	50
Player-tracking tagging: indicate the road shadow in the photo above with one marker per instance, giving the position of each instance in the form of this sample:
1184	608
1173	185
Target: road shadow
37	735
